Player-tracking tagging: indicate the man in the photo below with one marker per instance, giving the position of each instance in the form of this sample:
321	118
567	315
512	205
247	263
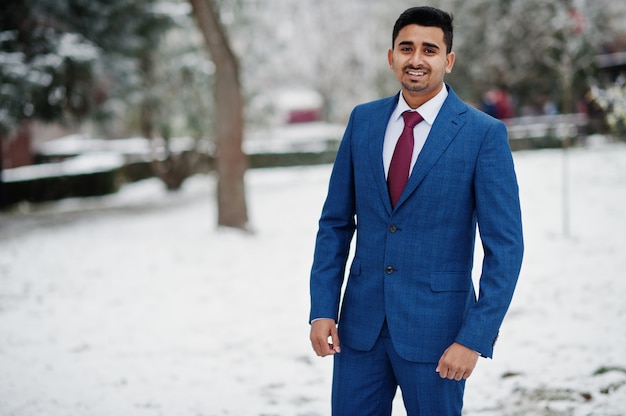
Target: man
409	314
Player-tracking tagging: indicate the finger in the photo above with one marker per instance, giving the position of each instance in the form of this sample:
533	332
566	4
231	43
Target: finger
335	344
317	348
320	346
443	368
322	349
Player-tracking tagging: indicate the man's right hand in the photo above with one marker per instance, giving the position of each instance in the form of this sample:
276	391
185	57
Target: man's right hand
321	331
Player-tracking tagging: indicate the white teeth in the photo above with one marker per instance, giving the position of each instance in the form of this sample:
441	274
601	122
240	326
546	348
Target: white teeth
416	73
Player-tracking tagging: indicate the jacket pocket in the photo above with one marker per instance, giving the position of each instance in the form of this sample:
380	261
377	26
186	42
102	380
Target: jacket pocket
451	281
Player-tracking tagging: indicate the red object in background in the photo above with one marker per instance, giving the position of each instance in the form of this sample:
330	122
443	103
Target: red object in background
579	21
303	116
16	150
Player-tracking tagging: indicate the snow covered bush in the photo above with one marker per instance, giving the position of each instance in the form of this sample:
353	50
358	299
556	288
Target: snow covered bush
81	176
612	101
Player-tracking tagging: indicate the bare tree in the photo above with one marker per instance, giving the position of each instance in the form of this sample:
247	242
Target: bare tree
231	163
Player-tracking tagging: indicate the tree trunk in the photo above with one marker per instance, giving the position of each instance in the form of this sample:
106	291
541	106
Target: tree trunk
231	161
148	109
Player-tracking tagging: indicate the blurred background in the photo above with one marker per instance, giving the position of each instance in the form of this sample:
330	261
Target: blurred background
129	129
137	81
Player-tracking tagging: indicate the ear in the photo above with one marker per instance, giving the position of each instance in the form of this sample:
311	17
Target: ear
390	58
449	62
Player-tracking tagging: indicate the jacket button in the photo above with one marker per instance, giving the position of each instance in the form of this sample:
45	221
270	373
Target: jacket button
393	228
389	270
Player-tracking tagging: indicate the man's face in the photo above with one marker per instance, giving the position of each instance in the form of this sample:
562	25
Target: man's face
419	61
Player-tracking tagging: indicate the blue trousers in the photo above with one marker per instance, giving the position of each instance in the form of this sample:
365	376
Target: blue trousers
365	383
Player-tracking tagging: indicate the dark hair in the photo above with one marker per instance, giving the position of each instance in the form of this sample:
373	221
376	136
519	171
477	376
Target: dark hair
425	16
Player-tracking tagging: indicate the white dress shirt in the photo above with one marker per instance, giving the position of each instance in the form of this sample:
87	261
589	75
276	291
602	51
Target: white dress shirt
428	111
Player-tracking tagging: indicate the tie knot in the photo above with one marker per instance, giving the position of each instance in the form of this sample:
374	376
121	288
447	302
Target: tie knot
411	118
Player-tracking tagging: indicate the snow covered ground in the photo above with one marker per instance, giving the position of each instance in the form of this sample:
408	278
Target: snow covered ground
135	304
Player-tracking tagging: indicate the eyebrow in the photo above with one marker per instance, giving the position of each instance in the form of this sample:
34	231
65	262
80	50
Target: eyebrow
431	45
411	43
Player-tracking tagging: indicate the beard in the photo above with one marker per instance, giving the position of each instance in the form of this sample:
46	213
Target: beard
415	86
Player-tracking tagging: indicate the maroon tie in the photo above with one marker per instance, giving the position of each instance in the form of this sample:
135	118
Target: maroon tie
398	174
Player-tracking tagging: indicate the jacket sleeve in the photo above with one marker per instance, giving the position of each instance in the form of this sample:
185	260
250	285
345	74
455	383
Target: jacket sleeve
500	226
336	229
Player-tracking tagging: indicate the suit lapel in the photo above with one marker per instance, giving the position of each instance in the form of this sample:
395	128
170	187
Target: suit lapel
376	135
445	129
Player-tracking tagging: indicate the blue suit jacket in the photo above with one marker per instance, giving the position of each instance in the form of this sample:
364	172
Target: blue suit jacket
413	264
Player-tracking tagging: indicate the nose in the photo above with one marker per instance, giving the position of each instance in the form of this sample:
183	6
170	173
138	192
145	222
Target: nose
416	58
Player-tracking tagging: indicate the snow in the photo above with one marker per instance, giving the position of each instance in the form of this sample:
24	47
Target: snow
303	137
13	65
135	304
79	165
132	149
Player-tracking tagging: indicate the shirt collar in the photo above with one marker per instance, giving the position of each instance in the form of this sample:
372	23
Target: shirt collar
428	110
